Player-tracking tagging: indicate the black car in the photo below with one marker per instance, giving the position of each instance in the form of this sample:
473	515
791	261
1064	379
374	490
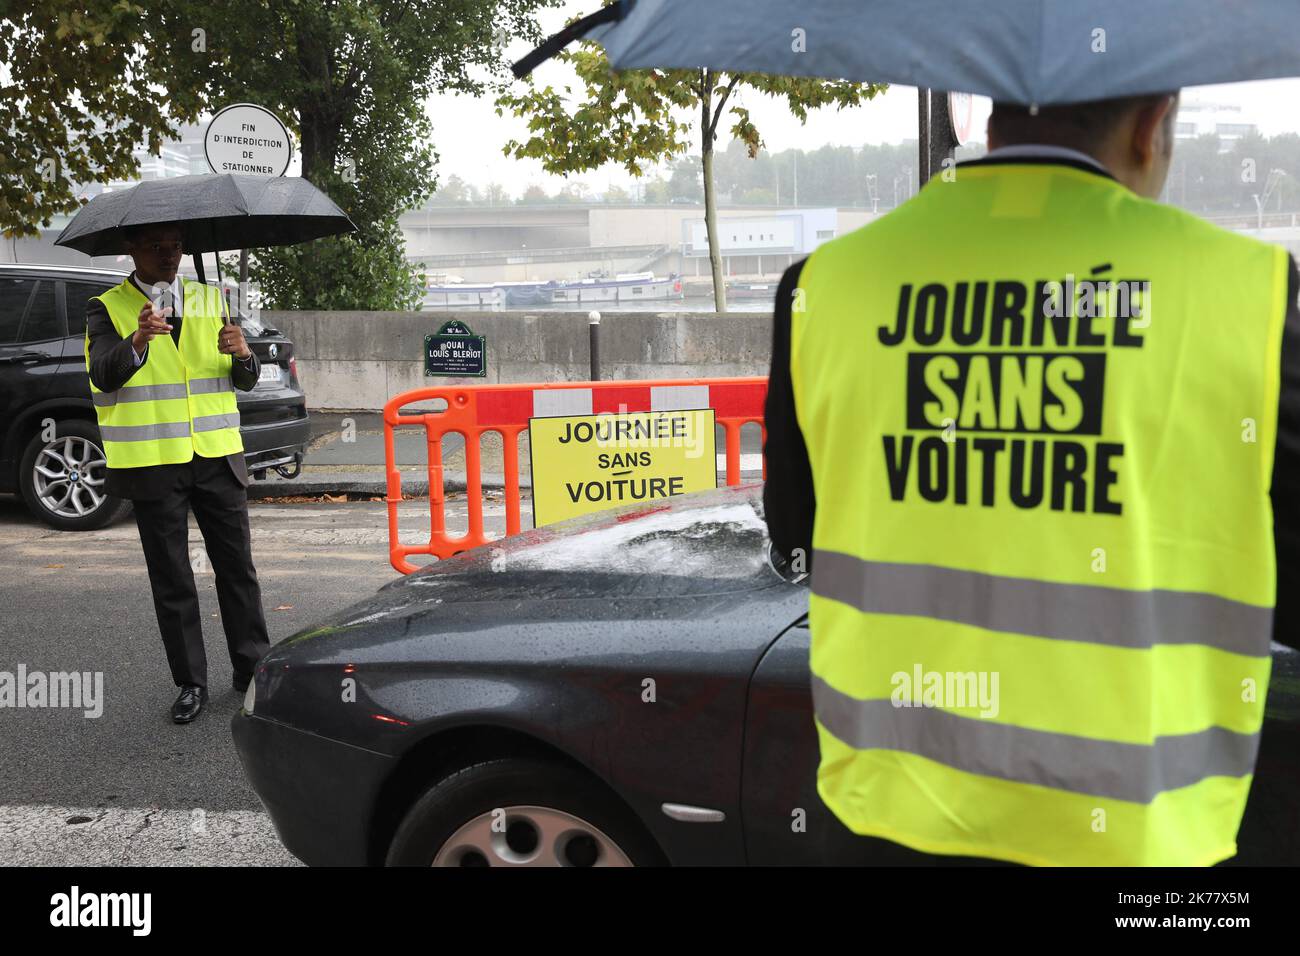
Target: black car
628	687
50	450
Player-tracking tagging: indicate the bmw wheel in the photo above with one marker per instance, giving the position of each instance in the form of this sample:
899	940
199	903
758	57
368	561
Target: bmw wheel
62	479
520	812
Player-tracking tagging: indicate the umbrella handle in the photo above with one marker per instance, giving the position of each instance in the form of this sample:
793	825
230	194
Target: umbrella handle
225	312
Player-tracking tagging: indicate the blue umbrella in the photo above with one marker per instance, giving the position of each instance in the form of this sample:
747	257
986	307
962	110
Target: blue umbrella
1020	51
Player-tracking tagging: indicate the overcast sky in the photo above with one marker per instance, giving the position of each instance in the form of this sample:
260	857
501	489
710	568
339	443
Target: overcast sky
469	135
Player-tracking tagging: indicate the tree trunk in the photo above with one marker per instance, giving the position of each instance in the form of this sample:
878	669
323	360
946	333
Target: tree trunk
711	225
710	203
319	146
318	124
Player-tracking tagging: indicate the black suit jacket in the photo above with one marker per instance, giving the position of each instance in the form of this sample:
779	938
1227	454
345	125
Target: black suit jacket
112	363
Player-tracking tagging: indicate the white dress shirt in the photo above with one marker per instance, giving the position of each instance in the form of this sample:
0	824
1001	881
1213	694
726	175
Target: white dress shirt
177	300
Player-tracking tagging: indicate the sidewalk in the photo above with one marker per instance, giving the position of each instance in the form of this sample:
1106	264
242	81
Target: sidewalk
346	457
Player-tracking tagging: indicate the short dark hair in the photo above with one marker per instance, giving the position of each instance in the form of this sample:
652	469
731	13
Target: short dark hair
1075	125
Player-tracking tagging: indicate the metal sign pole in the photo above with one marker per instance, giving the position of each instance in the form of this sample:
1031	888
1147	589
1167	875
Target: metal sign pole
593	325
243	285
943	141
936	141
922	135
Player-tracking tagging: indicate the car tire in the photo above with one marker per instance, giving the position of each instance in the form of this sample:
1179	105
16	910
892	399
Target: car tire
77	442
545	814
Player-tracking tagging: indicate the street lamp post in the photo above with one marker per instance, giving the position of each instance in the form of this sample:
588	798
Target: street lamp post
1275	176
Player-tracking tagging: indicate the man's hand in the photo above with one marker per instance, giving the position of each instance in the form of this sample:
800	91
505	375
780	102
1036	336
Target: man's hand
152	322
231	342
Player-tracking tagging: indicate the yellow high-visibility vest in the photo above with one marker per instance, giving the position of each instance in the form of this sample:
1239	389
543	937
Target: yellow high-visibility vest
181	401
1041	414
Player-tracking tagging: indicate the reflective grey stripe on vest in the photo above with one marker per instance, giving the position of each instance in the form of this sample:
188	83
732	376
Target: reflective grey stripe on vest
144	432
1101	768
208	386
138	393
1068	612
210	423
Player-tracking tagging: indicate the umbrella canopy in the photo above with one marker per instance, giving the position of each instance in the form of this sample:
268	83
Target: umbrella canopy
215	212
1020	51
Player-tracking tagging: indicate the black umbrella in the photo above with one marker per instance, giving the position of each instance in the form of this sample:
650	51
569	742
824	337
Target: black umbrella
215	212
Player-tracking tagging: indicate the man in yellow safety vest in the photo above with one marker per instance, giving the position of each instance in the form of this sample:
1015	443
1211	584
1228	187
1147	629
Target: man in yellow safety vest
1030	434
164	365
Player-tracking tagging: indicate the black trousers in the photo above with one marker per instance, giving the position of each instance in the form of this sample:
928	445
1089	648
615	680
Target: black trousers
220	506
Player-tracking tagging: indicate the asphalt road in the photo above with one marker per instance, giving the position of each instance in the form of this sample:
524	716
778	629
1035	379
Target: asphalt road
130	786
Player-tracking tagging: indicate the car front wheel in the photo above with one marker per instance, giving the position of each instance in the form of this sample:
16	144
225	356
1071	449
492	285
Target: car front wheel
520	812
62	479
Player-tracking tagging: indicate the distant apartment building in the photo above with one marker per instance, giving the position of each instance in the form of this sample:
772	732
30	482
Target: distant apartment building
179	157
746	240
1227	121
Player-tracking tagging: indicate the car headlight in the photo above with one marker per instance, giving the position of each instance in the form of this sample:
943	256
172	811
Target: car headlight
250	696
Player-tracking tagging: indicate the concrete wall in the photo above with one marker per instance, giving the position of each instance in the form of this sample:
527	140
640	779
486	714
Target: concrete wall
358	360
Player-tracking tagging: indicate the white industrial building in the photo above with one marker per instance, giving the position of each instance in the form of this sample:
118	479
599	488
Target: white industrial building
1227	121
523	242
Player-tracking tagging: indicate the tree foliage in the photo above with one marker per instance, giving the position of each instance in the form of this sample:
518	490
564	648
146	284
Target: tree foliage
633	117
348	77
1223	178
354	76
79	91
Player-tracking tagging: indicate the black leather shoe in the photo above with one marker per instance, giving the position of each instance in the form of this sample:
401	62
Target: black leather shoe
189	703
241	681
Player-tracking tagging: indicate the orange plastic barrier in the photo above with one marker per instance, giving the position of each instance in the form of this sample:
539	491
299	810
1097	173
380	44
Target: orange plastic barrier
473	410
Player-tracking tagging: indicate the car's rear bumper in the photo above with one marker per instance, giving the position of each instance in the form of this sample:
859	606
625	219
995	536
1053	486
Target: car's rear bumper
320	793
276	442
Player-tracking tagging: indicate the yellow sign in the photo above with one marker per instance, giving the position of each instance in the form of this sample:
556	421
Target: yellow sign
587	463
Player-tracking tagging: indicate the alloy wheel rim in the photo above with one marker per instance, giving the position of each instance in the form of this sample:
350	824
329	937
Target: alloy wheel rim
69	477
529	836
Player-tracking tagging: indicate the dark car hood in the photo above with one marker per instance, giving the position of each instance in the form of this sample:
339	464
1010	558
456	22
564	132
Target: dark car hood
704	549
694	544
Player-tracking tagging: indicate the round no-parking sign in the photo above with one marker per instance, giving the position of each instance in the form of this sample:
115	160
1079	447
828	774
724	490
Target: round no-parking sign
249	140
961	110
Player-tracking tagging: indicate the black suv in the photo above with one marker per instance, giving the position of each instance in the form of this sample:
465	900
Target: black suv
50	450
